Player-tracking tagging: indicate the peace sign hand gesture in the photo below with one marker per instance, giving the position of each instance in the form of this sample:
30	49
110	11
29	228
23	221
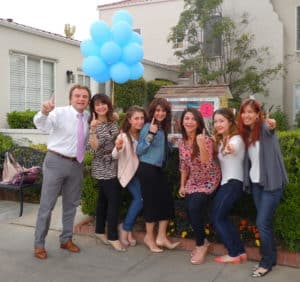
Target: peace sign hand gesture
48	106
153	126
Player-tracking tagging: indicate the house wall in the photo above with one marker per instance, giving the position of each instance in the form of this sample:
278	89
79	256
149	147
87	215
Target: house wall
272	22
286	11
155	18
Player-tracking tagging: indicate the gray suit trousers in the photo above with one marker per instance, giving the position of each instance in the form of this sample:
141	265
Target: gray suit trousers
60	176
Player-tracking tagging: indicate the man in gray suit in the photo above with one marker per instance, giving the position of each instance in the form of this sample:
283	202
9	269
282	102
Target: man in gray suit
63	165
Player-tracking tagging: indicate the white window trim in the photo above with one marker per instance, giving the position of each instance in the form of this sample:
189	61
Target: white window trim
296	31
294	99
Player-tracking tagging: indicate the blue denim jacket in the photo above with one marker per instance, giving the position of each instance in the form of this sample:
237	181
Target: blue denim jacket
151	152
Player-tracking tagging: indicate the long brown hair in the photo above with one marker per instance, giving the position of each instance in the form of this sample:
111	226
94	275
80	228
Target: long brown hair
250	136
105	100
232	130
166	123
200	125
125	127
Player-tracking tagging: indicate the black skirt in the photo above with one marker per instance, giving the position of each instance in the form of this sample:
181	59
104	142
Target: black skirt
156	193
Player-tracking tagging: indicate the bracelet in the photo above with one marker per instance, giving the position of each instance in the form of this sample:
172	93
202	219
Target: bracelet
92	133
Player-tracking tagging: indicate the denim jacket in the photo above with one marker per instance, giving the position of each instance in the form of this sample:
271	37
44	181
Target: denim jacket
152	152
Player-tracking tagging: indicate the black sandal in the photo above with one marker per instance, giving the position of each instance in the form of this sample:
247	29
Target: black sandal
257	273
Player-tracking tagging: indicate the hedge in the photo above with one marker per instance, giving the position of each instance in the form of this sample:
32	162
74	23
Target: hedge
21	119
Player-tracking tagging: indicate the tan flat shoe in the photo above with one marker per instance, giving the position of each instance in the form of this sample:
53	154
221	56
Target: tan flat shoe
116	244
102	238
152	246
167	244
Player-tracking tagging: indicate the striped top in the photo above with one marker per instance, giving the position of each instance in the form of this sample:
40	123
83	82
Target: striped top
103	165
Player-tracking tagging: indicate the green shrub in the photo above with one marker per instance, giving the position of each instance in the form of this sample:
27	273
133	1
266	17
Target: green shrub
130	93
297	120
6	142
21	119
89	193
287	223
153	86
281	119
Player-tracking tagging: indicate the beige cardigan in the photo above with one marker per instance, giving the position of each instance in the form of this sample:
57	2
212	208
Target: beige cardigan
128	161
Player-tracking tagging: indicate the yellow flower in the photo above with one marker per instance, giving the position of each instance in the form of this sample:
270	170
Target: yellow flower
171	223
172	230
257	243
206	231
168	234
184	234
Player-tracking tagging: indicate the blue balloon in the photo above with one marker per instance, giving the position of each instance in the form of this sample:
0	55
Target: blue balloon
132	53
137	38
103	77
136	71
119	72
121	33
122	15
89	48
100	32
93	66
110	52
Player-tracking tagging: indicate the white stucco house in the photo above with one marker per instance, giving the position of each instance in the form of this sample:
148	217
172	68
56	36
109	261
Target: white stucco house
275	23
35	64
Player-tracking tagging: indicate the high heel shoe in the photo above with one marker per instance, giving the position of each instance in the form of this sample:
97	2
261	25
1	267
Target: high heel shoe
206	244
116	244
152	246
200	254
167	244
227	259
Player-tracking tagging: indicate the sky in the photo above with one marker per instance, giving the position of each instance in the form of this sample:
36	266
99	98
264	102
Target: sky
52	15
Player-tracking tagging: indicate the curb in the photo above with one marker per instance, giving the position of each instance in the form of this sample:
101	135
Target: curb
292	259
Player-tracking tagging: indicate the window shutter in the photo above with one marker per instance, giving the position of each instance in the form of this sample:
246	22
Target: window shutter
17	82
33	96
48	80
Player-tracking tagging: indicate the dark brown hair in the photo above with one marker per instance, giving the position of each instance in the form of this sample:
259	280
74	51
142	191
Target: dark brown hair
103	98
200	125
250	136
166	123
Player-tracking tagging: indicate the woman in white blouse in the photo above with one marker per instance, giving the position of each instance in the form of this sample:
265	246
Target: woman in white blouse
231	150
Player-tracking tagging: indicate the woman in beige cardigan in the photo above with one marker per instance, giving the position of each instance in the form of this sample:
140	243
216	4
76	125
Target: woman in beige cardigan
128	162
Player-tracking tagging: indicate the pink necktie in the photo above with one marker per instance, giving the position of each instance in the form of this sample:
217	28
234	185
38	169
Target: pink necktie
80	139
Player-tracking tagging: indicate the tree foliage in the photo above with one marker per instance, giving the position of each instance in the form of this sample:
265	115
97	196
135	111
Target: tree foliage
246	69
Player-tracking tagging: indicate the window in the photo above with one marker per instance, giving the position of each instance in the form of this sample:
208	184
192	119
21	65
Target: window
31	81
298	29
212	43
84	80
296	100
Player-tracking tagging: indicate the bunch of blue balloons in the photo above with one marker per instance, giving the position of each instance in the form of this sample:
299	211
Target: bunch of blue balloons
114	53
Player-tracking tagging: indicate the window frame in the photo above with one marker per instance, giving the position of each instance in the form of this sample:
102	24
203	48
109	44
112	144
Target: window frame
41	61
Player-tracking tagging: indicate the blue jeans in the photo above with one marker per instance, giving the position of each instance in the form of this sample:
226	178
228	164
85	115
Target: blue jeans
223	202
266	203
196	205
136	204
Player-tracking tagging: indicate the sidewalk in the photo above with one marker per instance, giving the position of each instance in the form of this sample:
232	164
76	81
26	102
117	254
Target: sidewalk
97	262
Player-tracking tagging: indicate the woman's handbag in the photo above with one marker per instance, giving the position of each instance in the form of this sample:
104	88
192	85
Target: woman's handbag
10	168
14	173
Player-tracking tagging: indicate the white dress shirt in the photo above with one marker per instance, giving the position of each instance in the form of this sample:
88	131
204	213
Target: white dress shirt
61	124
